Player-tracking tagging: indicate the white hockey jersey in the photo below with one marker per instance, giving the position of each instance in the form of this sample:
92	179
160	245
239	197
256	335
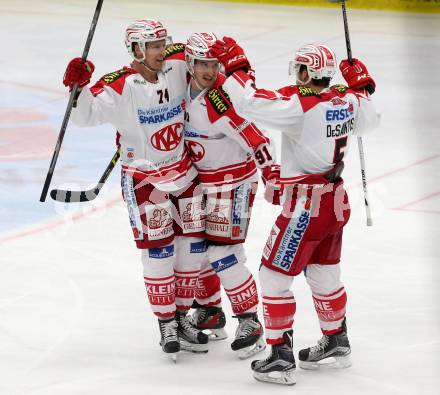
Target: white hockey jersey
220	143
149	118
316	127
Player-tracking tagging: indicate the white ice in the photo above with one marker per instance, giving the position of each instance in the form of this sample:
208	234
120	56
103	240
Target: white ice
74	318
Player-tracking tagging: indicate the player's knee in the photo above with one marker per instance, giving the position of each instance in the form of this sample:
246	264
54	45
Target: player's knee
228	261
191	253
229	258
219	251
158	262
323	279
274	283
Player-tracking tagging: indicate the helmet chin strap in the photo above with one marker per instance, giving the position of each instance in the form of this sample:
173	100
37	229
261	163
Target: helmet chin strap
144	63
193	75
200	88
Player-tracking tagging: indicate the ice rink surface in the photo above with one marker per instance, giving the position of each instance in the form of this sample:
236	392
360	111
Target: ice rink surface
74	317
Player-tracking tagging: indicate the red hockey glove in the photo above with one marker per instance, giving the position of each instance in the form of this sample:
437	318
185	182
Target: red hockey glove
271	179
231	55
78	72
357	76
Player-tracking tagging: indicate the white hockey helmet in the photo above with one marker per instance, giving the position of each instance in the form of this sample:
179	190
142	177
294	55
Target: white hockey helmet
144	31
319	59
198	47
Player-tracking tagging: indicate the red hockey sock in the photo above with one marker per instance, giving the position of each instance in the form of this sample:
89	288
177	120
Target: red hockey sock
208	292
186	284
244	297
161	294
278	317
331	310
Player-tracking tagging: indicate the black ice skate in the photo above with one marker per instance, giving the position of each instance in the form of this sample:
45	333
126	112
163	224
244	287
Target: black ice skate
279	367
330	352
168	337
211	320
190	338
248	336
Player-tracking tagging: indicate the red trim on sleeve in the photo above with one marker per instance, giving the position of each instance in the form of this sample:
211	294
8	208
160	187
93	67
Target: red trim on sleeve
242	77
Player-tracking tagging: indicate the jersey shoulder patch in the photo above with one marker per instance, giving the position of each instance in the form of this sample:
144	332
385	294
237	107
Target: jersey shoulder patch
218	100
304	91
110	78
175	51
339	88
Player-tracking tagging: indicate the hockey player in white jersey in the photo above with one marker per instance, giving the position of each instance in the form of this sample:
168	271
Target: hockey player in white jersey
317	122
145	103
226	150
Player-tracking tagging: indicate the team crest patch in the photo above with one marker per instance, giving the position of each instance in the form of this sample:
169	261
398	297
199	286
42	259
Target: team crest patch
173	49
168	138
112	77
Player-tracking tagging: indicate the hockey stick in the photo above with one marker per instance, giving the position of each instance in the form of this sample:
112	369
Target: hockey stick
67	196
359	139
70	104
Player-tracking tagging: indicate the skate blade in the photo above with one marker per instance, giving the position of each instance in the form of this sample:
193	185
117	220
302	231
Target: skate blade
216	334
193	347
248	352
286	377
327	363
174	357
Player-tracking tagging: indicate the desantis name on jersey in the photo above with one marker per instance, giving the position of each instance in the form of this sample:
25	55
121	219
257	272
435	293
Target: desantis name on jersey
341	129
147	117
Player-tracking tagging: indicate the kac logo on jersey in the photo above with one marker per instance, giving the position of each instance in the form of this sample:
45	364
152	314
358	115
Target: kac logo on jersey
196	151
168	138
